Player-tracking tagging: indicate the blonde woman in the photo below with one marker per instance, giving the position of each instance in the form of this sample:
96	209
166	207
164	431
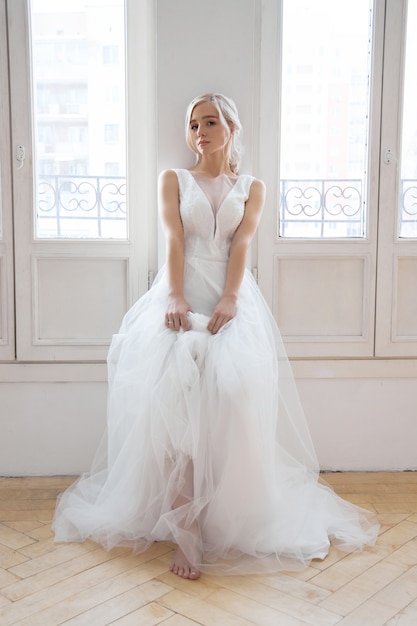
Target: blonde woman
207	445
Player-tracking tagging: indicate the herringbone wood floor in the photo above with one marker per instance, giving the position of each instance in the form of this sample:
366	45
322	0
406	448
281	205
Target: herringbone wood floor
46	584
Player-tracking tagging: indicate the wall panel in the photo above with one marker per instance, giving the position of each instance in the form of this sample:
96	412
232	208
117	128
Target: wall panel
78	301
321	297
405	299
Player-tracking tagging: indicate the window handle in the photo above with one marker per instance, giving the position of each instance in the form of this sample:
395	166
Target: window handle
388	156
20	155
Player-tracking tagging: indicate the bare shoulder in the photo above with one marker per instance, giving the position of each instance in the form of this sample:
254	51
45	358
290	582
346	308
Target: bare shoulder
256	197
258	187
168	198
168	178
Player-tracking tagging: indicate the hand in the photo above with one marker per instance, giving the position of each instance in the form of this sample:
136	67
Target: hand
223	313
176	313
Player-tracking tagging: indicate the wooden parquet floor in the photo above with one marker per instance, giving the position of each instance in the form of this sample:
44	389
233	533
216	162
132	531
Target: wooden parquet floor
47	584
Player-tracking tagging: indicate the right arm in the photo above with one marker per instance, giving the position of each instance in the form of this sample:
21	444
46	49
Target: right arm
168	202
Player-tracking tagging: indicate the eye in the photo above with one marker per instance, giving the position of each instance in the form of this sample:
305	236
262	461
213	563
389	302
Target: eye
211	123
194	127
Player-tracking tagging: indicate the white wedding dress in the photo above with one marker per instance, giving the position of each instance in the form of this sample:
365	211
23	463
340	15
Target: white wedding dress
215	419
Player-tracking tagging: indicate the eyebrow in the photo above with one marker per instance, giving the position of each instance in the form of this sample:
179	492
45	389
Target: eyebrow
205	117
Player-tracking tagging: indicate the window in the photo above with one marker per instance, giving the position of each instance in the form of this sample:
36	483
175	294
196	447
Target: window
77	134
1	209
318	252
7	313
81	253
325	106
71	117
111	133
111	169
110	55
340	268
396	321
408	176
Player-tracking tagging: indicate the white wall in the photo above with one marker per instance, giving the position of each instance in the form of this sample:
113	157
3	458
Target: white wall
362	415
202	47
52	417
357	422
362	424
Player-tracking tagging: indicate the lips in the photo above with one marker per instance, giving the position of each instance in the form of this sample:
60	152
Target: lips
203	143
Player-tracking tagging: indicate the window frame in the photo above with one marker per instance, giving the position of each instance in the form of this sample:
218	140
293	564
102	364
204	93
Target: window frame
132	257
397	257
7	324
275	253
391	260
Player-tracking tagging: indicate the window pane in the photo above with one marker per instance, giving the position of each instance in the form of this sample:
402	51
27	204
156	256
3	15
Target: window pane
79	89
408	182
1	208
324	117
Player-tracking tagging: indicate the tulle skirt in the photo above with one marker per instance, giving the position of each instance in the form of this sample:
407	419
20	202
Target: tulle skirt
207	446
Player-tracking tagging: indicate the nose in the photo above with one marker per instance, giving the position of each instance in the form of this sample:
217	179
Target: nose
200	131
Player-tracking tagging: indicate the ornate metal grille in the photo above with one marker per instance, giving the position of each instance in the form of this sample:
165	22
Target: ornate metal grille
81	207
322	208
408	209
95	207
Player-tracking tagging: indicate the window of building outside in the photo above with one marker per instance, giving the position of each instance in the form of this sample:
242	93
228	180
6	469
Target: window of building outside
78	52
111	132
326	51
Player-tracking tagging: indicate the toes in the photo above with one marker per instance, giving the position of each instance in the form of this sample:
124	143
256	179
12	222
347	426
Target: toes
181	567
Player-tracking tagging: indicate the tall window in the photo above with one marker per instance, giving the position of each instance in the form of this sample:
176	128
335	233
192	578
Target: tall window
78	50
1	208
324	118
81	253
408	176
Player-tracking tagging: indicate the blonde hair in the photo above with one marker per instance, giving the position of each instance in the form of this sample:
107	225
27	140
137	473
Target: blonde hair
228	113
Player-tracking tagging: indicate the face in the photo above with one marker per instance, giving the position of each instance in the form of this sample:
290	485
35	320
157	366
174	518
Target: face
208	131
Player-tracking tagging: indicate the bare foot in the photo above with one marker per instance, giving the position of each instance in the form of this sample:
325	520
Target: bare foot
182	567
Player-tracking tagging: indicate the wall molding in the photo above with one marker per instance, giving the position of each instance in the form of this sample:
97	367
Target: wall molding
349	369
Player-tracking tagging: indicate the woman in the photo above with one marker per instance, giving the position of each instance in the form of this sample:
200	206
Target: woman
207	444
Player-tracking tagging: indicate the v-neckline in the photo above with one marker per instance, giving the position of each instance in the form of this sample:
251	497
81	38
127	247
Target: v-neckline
223	200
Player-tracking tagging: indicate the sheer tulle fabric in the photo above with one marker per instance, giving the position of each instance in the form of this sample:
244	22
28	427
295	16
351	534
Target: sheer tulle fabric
212	419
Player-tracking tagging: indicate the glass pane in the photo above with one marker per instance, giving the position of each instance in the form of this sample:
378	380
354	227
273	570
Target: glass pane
78	58
1	208
408	176
324	117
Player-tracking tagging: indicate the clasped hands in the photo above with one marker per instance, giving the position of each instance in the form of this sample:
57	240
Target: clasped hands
178	307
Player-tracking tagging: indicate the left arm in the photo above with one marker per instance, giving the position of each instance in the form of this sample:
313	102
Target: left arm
227	306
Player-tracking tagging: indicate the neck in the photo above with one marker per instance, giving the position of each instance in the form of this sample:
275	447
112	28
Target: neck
214	165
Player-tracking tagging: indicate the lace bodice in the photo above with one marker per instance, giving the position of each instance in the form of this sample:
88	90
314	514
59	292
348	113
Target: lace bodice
208	232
